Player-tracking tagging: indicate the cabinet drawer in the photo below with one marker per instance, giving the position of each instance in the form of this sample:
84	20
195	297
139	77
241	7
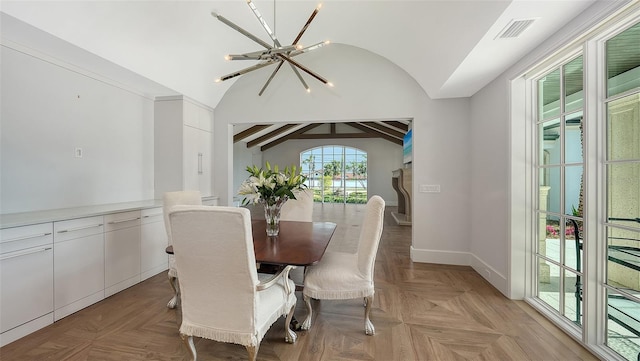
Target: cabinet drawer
19	238
152	215
26	274
121	220
76	228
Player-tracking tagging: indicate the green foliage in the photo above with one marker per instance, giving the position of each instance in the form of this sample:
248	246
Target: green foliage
333	169
270	185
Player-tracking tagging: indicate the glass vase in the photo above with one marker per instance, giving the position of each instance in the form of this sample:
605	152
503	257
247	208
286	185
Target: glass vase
272	215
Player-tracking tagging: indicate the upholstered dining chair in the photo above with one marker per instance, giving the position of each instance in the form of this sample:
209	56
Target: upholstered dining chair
299	209
170	199
341	275
223	297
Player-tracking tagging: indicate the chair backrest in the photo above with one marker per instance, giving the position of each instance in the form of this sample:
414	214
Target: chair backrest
215	259
299	209
370	233
170	199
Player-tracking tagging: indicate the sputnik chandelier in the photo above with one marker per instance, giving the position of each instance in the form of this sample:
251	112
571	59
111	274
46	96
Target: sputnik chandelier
274	54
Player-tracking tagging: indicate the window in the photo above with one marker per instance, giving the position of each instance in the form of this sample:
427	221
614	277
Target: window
587	189
560	168
336	174
622	224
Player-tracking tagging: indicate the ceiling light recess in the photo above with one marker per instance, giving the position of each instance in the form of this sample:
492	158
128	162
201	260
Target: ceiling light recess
274	54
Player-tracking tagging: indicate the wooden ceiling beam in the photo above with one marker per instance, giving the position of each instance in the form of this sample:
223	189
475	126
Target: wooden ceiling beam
249	132
396	124
373	131
336	136
270	135
292	135
384	129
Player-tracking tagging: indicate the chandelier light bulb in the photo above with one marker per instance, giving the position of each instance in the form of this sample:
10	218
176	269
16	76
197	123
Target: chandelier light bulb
275	53
327	42
330	84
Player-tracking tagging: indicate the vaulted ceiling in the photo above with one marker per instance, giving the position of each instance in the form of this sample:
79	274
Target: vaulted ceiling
160	47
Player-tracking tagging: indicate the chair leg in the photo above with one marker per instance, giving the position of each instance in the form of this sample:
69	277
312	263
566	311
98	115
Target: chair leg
307	321
289	336
253	352
188	343
368	326
173	302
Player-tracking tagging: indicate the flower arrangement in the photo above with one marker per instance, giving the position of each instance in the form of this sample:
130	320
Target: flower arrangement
270	186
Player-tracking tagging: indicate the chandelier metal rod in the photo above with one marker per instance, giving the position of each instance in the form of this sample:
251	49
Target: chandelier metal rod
241	30
306	25
264	24
303	68
264	87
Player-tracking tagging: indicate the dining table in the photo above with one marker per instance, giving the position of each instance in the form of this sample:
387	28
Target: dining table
297	243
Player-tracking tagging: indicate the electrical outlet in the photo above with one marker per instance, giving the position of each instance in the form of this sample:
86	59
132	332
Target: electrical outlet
78	152
430	188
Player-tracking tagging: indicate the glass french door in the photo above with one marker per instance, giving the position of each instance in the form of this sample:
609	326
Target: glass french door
560	167
594	237
622	164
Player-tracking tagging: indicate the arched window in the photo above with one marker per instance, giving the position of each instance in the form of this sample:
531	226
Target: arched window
336	174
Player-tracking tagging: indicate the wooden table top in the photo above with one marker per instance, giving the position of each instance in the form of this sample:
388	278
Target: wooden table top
298	243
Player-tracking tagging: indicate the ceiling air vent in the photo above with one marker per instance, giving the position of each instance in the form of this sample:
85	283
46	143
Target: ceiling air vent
515	28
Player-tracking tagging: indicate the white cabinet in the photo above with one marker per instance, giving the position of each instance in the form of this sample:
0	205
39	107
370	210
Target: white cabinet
26	280
197	160
78	264
121	251
153	242
183	146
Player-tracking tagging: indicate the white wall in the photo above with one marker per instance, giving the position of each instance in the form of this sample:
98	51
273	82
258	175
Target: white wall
48	111
243	157
501	163
367	87
489	188
383	157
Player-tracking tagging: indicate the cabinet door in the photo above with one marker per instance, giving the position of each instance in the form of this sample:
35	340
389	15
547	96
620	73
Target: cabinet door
26	276
121	251
204	181
153	242
78	264
193	159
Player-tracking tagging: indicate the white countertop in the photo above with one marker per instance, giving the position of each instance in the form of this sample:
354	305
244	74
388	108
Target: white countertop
22	219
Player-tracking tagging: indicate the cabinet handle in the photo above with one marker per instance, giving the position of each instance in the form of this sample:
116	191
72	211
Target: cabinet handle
28	237
24	253
80	228
199	163
124	220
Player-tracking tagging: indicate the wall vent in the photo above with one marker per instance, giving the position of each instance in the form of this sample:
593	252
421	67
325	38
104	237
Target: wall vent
515	28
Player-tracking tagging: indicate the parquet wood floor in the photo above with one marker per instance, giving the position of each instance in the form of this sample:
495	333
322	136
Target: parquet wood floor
421	312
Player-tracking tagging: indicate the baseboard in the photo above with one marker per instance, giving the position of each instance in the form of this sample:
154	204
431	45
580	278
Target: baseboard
495	278
440	257
66	310
154	271
32	326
